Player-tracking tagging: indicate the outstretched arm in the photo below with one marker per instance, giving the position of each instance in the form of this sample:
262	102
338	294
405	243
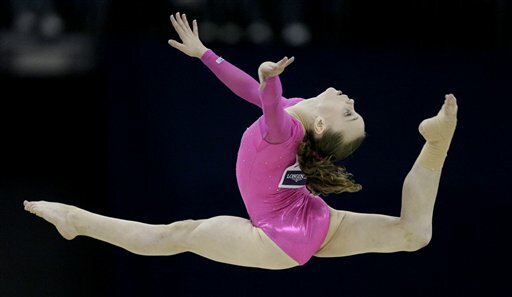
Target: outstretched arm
278	127
235	79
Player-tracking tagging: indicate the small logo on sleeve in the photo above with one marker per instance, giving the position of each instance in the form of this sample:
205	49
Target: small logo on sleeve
219	60
293	177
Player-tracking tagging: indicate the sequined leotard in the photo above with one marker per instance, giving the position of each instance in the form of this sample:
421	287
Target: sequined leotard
296	220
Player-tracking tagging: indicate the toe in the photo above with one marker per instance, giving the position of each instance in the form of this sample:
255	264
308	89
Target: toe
32	207
450	99
27	205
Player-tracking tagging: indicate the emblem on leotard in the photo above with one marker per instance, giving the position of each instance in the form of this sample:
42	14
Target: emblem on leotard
219	60
293	177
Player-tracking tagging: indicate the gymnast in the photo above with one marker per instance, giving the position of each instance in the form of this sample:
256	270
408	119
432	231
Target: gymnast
287	158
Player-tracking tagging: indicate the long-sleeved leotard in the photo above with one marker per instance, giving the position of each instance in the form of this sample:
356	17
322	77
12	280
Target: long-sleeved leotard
296	220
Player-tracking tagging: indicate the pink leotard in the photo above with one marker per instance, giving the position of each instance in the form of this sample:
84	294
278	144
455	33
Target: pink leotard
296	220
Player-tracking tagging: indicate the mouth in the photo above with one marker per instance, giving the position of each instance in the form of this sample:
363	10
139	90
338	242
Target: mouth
347	100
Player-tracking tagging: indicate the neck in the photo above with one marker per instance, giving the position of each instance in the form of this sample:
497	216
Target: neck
303	112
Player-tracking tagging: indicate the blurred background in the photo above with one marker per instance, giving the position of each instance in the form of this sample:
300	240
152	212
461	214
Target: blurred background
99	112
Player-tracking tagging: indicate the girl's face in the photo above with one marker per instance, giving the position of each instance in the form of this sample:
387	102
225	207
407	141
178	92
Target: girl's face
340	116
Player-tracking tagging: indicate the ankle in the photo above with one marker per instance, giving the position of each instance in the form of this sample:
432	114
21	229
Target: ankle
73	220
432	156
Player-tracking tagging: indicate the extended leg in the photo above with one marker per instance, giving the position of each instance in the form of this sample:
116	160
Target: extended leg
224	239
421	184
354	233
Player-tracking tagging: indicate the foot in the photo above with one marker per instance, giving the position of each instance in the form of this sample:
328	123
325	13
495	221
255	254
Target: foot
56	213
441	127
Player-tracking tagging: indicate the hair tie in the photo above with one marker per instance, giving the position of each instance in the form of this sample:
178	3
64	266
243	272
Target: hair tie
316	156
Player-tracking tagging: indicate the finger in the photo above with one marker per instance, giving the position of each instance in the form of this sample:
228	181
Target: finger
176	45
181	23
282	61
289	61
177	27
195	27
185	21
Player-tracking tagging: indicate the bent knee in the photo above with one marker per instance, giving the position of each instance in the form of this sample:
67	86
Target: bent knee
415	241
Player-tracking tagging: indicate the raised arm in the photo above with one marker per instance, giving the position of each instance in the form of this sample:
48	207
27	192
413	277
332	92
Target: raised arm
278	124
235	79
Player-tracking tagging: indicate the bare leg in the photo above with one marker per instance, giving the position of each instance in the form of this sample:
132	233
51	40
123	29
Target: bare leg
354	233
421	184
224	239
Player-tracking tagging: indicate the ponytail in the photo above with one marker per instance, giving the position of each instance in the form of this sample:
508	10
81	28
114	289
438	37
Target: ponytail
316	159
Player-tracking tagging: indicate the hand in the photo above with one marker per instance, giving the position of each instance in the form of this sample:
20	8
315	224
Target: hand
191	44
270	69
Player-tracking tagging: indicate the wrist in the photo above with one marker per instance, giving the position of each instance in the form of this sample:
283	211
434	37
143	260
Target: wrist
201	52
261	76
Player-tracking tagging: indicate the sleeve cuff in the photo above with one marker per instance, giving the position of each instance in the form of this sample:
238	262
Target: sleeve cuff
207	55
272	79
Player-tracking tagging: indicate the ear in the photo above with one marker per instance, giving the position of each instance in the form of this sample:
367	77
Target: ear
319	126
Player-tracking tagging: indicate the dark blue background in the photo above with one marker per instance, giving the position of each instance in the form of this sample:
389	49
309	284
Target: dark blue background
151	135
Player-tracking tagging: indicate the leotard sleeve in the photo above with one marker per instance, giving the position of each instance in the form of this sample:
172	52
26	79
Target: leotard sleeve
278	123
239	82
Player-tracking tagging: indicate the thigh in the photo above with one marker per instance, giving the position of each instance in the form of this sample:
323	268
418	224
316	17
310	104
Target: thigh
235	240
353	233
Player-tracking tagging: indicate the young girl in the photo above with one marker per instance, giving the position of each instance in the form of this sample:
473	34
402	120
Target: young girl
286	158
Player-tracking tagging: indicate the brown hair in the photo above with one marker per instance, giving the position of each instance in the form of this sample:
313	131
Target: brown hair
316	160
